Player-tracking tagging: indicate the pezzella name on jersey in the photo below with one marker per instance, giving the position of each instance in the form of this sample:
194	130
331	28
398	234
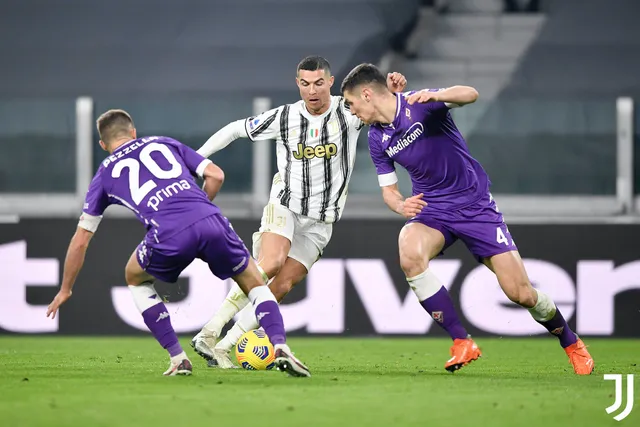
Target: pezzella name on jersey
409	137
126	150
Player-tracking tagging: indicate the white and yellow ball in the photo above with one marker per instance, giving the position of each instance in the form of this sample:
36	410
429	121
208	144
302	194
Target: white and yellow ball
254	351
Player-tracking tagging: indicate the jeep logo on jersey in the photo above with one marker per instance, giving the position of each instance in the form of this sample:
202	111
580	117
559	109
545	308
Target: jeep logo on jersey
327	151
409	137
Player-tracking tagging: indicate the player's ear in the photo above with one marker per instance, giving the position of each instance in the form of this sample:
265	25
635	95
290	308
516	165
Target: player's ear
366	93
134	133
331	80
103	145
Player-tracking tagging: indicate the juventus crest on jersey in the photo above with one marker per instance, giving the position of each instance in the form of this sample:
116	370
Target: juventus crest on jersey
315	156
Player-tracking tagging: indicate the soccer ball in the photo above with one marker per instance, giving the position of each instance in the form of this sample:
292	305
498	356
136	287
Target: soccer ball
255	352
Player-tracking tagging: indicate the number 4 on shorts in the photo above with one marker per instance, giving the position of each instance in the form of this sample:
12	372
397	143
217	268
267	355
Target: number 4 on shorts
501	237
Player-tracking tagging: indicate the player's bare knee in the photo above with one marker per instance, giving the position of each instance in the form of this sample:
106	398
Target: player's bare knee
131	278
528	296
412	263
521	293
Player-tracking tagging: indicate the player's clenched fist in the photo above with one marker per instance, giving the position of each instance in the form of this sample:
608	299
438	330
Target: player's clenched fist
396	82
412	206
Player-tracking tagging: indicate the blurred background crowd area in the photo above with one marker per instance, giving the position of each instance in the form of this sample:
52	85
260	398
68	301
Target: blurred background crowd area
549	74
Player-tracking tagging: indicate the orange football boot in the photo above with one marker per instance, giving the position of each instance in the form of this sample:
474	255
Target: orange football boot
463	352
580	358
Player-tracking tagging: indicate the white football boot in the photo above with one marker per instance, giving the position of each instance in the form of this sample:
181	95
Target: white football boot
287	362
222	359
204	343
179	365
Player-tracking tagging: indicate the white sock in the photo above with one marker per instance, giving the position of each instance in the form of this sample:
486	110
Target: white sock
246	322
544	309
179	357
260	294
145	296
235	301
425	284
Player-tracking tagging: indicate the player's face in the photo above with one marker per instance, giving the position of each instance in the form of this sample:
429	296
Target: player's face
360	105
315	89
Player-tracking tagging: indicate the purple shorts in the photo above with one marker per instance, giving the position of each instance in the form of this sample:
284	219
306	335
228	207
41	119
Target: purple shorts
480	226
211	239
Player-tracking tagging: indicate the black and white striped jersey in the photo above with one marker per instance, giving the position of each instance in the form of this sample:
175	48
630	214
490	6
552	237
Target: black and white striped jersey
315	156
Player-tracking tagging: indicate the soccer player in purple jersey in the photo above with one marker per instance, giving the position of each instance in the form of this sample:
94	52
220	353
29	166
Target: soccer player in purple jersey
450	201
154	177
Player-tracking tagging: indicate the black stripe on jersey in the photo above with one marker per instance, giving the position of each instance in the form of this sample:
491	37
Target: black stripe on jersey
328	179
264	125
344	136
285	198
306	175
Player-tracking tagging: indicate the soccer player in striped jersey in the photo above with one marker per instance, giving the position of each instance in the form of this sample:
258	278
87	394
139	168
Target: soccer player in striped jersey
315	150
450	201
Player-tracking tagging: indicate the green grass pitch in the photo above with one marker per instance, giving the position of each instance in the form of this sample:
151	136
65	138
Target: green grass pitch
63	381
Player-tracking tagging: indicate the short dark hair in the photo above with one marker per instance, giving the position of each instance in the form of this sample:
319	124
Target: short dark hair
363	74
114	124
313	63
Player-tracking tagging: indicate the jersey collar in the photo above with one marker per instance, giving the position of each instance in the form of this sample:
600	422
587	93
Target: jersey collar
393	124
310	116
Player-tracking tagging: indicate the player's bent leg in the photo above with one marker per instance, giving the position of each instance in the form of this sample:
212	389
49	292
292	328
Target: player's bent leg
419	244
155	314
267	312
205	341
291	274
271	245
272	251
512	277
306	248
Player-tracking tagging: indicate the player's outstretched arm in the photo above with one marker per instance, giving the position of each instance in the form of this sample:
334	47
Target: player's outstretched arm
223	137
72	266
455	95
408	208
213	180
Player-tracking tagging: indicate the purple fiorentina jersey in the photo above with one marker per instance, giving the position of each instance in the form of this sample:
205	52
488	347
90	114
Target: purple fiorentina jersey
154	177
425	141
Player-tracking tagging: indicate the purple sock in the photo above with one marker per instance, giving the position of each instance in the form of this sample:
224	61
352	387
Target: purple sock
159	323
558	326
270	319
441	308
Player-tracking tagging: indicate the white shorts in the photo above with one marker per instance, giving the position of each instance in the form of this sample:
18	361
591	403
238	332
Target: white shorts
308	236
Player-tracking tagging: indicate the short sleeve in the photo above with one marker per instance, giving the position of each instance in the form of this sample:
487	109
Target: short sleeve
384	164
195	162
266	125
96	200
